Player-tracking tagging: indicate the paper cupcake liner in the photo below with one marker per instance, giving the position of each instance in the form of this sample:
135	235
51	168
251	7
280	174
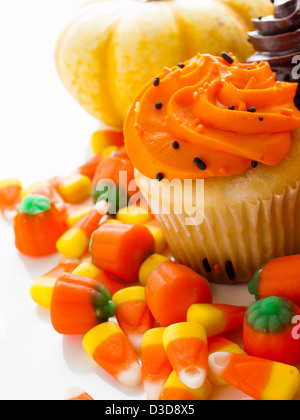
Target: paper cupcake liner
230	245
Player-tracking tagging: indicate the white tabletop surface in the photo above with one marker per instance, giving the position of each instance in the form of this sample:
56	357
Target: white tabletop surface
44	132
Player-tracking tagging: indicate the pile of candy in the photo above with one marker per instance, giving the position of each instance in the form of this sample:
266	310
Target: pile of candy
144	318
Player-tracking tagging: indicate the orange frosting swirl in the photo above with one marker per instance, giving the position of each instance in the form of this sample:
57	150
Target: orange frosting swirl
210	117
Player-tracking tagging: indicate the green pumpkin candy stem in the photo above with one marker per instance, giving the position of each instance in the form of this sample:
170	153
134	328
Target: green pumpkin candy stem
35	204
253	286
270	315
103	304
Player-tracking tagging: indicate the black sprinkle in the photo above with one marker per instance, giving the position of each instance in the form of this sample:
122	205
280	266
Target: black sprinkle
230	270
259	17
249	68
158	105
254	164
227	57
249	40
159	177
200	164
156	81
261	118
251	109
206	265
181	65
232	107
175	145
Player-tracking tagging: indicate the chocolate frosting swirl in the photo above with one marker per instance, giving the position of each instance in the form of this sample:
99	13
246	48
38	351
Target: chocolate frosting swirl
276	39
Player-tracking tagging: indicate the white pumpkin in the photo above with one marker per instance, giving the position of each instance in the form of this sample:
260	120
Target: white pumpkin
113	47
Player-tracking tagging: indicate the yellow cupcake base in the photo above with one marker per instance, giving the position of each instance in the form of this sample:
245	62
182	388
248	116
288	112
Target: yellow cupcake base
248	220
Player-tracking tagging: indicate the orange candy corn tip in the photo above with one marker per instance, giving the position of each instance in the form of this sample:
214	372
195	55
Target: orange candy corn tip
77	394
261	379
156	367
186	346
111	350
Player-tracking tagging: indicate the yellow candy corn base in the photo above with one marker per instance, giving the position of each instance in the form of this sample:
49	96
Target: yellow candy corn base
41	291
248	219
174	385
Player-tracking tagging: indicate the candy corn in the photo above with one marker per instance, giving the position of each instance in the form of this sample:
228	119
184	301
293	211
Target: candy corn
75	189
109	151
156	367
89	168
186	347
151	263
10	193
105	138
220	344
41	290
120	249
89	270
75	241
77	394
133	314
78	304
111	350
268	330
259	378
75	212
37	225
134	215
279	277
175	390
171	289
216	319
158	235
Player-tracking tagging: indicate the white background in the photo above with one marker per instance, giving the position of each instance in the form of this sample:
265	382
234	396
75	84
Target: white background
44	132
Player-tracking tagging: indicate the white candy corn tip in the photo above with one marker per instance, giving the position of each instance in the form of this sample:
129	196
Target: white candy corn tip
9	215
132	376
193	377
218	362
136	341
73	392
102	207
153	389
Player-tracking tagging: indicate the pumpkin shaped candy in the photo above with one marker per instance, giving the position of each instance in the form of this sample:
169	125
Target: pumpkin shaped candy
114	47
37	226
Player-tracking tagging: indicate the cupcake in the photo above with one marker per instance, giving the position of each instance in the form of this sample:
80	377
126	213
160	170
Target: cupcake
216	149
276	39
